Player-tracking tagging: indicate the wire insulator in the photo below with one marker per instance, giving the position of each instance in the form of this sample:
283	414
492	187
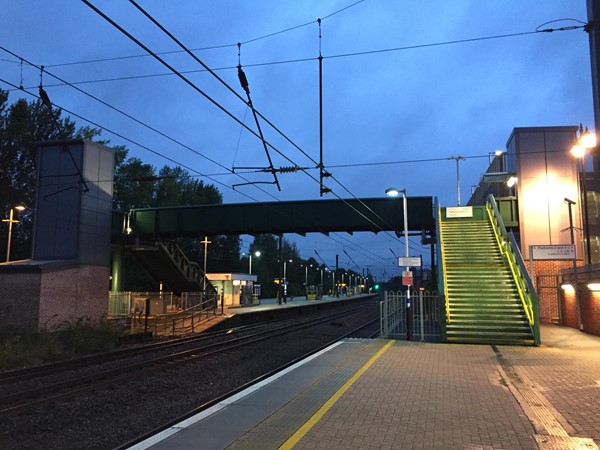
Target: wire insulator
288	169
243	80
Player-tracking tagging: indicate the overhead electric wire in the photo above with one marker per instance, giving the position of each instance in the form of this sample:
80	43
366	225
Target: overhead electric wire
117	134
213	47
187	81
298	60
223	82
141	145
343	55
133	118
131	37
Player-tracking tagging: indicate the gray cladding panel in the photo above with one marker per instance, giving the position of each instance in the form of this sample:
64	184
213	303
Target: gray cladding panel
71	223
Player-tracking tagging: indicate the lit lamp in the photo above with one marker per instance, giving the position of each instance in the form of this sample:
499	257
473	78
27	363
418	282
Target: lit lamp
10	221
585	142
257	254
393	192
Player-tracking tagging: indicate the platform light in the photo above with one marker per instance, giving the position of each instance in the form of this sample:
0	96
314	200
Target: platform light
567	287
10	222
511	181
594	286
393	192
578	151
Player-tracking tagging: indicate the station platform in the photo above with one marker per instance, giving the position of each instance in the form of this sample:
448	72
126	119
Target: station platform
383	394
291	302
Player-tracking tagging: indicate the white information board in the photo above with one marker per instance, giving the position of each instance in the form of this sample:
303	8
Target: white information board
409	261
552	252
459	211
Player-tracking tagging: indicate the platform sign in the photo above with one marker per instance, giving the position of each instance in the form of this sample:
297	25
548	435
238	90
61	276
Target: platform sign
409	261
459	211
552	252
407	278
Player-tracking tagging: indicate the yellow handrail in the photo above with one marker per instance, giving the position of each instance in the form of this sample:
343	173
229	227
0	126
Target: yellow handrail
442	262
503	245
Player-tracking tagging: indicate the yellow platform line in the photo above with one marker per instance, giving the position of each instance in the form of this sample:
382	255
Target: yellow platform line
301	432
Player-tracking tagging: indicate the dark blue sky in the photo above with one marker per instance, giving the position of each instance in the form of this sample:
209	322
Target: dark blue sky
412	107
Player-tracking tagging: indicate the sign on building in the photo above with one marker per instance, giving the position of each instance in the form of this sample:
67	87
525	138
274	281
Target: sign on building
552	252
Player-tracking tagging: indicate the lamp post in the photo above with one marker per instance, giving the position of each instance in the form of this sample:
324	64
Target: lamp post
284	281
10	221
458	159
570	203
306	274
393	192
585	142
257	254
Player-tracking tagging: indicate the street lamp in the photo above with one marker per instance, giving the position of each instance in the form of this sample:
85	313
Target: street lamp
306	274
285	278
458	159
393	192
10	221
257	254
586	141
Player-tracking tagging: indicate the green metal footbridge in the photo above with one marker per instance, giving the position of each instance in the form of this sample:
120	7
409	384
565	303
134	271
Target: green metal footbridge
484	288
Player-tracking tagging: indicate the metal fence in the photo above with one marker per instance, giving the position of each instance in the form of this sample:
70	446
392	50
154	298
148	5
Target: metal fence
418	319
123	304
166	314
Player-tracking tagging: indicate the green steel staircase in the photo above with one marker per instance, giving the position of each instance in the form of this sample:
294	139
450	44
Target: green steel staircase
483	291
167	263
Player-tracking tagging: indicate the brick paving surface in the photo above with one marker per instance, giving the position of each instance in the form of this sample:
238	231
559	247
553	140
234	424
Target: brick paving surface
566	370
432	396
426	396
429	396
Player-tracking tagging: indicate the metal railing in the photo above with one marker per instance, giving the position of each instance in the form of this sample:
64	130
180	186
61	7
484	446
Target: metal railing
125	303
425	315
191	269
510	251
167	314
441	263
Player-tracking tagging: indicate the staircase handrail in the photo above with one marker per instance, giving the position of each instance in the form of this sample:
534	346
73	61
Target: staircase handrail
191	269
510	250
441	262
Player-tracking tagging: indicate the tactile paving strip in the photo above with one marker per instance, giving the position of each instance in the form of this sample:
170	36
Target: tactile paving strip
550	434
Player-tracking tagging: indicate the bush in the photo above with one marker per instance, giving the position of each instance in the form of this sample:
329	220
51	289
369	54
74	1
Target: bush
85	336
80	337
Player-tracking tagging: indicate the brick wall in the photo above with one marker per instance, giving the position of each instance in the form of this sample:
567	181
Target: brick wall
19	293
546	283
47	295
589	301
590	312
73	293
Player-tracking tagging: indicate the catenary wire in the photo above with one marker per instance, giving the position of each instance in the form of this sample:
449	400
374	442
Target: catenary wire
126	33
309	59
134	119
179	43
213	47
170	159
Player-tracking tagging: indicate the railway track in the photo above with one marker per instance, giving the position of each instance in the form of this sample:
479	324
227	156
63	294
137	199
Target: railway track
35	387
